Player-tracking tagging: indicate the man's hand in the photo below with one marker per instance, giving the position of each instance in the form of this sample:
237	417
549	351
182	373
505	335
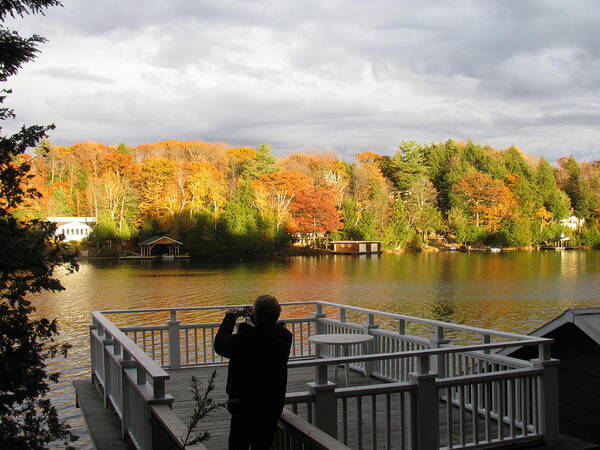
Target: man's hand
240	312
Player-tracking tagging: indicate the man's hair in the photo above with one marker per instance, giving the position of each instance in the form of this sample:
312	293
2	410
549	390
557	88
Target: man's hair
266	310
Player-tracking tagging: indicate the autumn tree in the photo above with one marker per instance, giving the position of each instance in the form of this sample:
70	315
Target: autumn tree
487	200
421	206
207	189
274	193
156	174
314	212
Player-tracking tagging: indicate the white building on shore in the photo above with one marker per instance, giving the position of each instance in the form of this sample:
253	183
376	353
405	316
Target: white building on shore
573	222
73	228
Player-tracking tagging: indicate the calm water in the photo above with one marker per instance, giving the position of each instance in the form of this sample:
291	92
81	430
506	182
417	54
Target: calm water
513	291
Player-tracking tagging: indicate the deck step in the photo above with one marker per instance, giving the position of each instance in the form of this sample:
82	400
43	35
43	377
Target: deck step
102	425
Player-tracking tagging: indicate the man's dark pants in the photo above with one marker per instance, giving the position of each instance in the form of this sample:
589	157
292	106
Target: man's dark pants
252	429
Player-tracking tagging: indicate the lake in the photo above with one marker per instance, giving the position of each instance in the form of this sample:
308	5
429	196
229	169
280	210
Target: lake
516	291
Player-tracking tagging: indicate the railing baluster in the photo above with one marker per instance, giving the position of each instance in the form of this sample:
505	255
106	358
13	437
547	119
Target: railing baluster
488	405
359	421
449	430
301	339
388	421
294	342
187	345
204	350
500	390
212	344
462	425
475	412
196	344
153	345
374	421
345	420
162	349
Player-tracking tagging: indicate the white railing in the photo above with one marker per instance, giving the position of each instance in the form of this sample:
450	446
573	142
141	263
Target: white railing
133	386
490	408
293	433
436	393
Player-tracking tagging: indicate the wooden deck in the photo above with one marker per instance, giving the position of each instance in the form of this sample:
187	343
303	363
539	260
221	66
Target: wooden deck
218	422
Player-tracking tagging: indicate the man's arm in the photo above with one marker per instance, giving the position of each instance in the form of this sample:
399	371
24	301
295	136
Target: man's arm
226	343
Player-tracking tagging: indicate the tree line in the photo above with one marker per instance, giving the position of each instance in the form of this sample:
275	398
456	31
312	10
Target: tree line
222	199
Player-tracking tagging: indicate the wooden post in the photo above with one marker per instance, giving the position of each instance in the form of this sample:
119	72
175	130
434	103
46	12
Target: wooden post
438	362
174	350
318	315
325	404
426	405
371	345
126	363
487	339
548	394
106	342
93	350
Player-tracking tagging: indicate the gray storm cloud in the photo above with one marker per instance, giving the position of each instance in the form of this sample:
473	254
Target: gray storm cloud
346	76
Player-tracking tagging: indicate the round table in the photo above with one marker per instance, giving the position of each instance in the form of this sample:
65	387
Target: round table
341	341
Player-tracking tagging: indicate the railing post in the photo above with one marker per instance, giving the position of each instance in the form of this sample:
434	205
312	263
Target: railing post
93	350
372	345
426	413
548	394
174	350
126	363
325	404
342	314
318	315
401	327
106	357
487	339
438	362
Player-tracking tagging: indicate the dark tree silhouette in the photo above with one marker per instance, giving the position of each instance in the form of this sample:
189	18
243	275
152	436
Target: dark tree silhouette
30	253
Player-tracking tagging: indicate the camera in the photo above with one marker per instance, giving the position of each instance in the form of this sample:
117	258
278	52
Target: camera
247	311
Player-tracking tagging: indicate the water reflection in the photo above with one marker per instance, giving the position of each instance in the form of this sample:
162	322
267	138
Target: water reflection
513	291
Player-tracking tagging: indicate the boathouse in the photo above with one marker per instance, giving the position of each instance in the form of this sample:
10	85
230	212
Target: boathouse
160	245
559	243
576	335
356	247
73	228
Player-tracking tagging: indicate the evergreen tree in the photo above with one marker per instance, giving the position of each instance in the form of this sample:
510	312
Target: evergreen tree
31	253
409	164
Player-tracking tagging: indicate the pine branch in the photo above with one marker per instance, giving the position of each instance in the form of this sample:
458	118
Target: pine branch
204	406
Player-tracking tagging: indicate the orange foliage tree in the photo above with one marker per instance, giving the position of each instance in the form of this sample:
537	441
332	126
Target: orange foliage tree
275	191
489	200
155	177
314	212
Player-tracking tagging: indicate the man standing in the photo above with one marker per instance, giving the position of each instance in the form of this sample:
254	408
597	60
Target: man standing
257	378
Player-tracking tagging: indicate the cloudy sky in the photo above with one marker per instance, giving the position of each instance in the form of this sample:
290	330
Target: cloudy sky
347	76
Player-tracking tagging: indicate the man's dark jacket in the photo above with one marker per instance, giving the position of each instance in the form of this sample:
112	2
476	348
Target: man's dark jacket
258	359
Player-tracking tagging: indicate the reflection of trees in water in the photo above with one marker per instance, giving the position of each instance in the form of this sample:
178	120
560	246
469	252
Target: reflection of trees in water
442	306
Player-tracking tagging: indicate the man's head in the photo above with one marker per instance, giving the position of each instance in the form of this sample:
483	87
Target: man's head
266	310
